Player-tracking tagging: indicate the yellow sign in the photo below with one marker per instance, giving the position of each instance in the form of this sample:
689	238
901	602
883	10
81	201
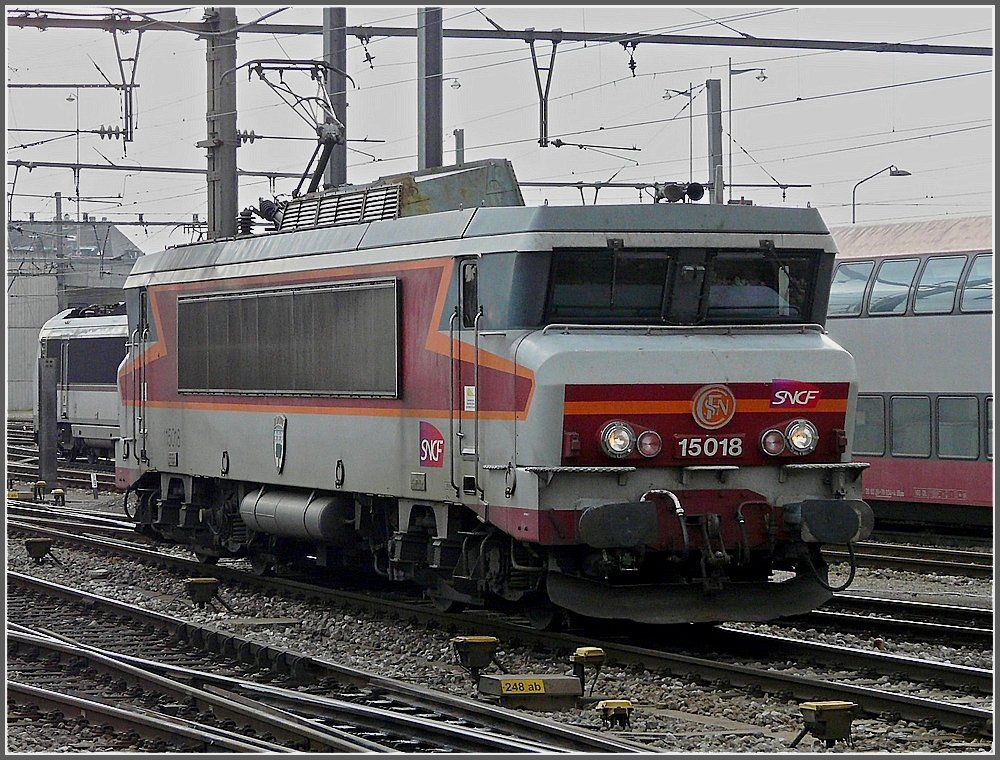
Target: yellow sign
522	686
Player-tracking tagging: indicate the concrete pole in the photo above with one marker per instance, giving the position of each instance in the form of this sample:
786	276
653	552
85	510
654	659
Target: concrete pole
335	53
459	146
222	140
48	431
714	91
429	96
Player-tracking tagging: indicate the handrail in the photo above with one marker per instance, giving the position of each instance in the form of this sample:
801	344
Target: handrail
685	329
451	399
135	395
475	381
143	456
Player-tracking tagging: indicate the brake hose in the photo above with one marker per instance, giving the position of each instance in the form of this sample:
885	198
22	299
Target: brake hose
850	576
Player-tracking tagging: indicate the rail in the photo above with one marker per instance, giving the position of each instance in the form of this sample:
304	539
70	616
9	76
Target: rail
873	701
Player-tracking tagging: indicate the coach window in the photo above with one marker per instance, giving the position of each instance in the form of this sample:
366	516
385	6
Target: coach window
937	285
848	290
892	287
977	293
911	426
869	426
958	427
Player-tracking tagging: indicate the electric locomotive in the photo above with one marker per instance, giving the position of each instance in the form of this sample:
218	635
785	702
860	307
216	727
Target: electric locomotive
628	412
88	345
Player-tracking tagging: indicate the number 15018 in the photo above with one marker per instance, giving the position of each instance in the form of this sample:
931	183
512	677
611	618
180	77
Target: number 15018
710	446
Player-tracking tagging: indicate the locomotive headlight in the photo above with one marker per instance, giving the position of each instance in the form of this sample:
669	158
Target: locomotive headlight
650	443
617	439
802	436
773	442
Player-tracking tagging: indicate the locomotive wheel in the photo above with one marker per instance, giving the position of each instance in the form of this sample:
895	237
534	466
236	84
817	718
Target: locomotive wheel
130	504
261	565
91	456
543	615
446	605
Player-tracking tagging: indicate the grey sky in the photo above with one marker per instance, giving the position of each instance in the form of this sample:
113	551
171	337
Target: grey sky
824	119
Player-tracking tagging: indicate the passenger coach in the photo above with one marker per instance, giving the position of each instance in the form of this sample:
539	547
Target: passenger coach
913	302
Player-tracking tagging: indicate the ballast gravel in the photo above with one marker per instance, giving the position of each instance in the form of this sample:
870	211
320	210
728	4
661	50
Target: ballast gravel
670	714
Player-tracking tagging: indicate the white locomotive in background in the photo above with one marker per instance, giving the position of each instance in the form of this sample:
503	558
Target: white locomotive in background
627	412
87	344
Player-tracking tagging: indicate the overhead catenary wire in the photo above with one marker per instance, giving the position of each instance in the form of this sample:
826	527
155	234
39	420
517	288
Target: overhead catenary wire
658	122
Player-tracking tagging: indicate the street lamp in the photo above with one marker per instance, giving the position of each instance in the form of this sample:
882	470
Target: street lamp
761	76
893	170
76	169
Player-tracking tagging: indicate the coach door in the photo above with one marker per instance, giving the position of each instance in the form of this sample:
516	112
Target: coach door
463	426
62	389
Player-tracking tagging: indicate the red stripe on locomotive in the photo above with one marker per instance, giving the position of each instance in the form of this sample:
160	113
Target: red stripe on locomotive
667	409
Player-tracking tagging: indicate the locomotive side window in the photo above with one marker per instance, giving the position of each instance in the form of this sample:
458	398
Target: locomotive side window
892	287
847	293
345	341
470	293
869	426
958	427
911	426
937	285
977	293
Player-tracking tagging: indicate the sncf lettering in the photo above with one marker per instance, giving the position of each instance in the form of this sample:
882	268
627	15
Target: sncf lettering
431	446
792	394
431	451
795	398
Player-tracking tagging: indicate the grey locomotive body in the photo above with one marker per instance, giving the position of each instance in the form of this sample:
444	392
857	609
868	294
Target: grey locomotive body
619	411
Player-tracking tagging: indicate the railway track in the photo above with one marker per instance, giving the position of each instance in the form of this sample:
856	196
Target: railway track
343	709
76	477
876	701
922	621
72	678
917	558
22	463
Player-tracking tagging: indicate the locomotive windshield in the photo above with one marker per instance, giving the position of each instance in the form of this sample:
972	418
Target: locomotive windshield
682	286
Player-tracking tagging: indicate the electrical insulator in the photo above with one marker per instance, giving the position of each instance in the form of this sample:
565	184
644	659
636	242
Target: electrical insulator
112	133
246	135
246	222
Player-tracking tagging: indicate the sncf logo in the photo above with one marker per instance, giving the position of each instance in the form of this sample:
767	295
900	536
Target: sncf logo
713	406
791	394
431	446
